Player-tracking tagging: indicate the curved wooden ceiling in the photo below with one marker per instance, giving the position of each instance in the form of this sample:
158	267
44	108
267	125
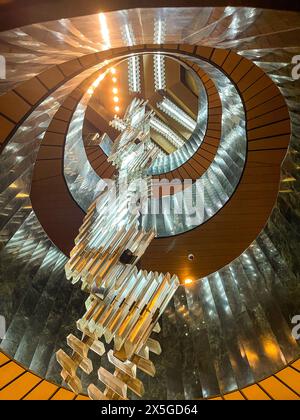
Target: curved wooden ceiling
222	238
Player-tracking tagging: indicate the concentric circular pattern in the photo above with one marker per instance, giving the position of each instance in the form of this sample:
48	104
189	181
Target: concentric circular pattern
240	221
197	164
224	237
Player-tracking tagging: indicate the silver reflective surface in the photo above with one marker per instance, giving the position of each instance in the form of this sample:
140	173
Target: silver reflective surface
229	329
31	49
183	154
83	182
221	179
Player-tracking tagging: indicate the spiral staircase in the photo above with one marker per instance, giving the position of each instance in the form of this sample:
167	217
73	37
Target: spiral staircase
228	335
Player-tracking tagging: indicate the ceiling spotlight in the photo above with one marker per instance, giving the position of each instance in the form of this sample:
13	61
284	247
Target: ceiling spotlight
116	99
115	90
114	79
187	282
113	70
117	109
104	30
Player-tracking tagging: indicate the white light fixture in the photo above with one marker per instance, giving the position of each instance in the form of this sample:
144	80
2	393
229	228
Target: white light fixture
159	60
134	78
169	108
104	30
161	128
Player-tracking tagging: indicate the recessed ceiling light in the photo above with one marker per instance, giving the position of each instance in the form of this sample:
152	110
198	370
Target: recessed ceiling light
187	282
116	99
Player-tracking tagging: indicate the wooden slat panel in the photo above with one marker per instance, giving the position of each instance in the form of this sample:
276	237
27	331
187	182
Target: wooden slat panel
13	107
88	60
231	62
241	70
266	107
53	139
296	365
63	394
32	90
43	391
51	77
205	52
63	114
264	96
275	129
6	127
58	126
250	78
234	396
3	359
277	390
280	142
20	387
273	116
82	398
254	392
9	372
70	67
219	56
258	87
264	156
291	378
50	152
70	104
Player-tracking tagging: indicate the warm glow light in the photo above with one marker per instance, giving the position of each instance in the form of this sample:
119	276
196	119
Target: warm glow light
116	99
117	108
188	282
98	80
114	79
115	91
90	91
22	195
271	350
104	30
289	179
113	71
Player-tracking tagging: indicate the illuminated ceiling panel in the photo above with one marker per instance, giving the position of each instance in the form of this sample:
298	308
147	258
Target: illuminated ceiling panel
167	106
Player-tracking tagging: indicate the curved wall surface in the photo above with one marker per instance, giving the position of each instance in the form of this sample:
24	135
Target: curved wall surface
232	327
